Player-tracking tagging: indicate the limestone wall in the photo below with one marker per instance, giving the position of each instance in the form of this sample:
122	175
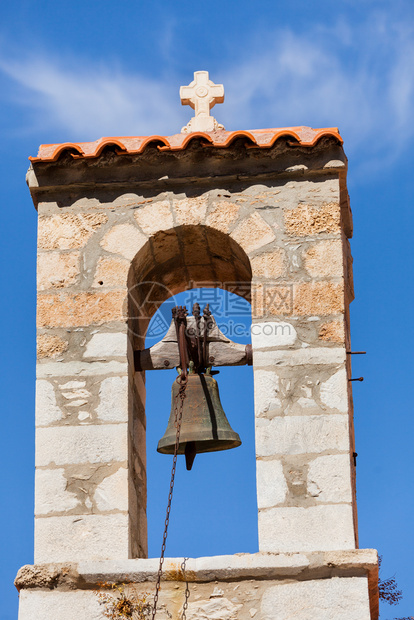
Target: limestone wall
304	586
335	599
271	225
281	244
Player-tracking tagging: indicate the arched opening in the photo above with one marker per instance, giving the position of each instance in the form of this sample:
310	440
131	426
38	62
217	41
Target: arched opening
216	507
177	259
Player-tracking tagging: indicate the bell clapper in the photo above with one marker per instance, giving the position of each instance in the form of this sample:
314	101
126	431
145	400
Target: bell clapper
190	454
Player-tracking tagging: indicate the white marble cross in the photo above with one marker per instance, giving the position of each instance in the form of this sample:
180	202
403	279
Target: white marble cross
202	94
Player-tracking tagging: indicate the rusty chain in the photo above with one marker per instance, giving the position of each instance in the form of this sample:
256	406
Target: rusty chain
182	380
186	591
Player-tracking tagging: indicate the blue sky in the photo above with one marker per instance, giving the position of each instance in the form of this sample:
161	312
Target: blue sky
81	70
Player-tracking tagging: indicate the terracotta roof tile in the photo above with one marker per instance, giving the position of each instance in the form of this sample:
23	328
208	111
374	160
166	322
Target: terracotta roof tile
259	138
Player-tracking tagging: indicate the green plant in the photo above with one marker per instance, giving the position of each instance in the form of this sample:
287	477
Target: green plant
389	592
119	602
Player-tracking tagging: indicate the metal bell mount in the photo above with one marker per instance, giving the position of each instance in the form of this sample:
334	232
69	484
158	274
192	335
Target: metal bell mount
204	425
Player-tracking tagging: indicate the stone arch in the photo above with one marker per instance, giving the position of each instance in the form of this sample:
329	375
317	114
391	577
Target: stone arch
170	261
254	239
177	257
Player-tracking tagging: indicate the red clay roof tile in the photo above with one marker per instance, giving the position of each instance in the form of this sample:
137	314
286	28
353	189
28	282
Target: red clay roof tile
259	138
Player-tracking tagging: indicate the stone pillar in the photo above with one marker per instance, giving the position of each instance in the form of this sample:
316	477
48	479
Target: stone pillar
90	451
303	411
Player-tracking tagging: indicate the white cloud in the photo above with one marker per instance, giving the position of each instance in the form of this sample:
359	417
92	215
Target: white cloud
89	101
357	77
361	80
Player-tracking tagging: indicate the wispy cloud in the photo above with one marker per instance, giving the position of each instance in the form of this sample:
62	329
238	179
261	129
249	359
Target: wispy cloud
357	77
360	79
89	101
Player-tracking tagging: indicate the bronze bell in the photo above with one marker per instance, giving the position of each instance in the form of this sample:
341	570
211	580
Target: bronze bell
204	426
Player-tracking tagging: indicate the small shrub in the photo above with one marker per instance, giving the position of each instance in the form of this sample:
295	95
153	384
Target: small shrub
389	592
119	603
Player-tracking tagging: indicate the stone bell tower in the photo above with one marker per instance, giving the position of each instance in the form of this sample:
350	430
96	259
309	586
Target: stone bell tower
266	214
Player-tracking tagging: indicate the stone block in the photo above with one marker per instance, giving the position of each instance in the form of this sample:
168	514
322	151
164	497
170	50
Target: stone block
139	383
111	271
38	576
81	537
199	276
84	417
47	410
68	231
269	264
107	344
50	345
217	606
329	478
124	239
222	214
271	484
301	435
53	605
104	443
270	299
190	210
129	199
205	569
306	220
154	217
353	559
313	298
225	271
315	528
81	369
300	357
74	310
270	334
332	331
167	247
324	259
75	390
334	391
73	385
191	248
220	246
253	233
266	392
337	598
57	270
225	569
112	492
113	403
51	494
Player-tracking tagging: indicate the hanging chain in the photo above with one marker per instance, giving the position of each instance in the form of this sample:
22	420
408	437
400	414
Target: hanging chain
182	380
186	592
